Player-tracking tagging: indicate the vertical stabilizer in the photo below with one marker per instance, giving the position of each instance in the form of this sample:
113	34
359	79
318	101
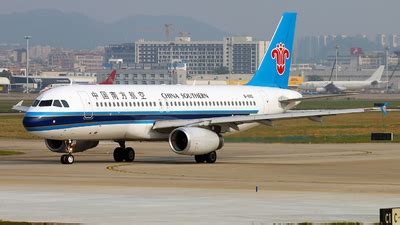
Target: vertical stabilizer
275	66
377	75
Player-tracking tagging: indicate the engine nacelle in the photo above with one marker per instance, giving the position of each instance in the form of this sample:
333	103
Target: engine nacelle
194	141
62	146
321	90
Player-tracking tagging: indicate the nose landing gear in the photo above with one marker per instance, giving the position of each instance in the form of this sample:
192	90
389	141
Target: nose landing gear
68	158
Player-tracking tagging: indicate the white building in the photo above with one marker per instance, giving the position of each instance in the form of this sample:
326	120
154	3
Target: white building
237	54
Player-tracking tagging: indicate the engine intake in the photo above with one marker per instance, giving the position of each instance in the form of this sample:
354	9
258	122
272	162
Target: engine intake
62	146
194	141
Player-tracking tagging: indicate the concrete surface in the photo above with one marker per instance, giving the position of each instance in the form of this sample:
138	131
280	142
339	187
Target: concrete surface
298	182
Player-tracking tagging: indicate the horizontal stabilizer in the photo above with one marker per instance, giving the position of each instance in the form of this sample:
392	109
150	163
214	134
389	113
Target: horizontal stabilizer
20	107
308	98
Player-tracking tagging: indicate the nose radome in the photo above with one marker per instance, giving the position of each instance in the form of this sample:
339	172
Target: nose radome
30	122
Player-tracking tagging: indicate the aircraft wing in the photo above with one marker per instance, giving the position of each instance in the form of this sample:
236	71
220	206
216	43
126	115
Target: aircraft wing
20	107
267	119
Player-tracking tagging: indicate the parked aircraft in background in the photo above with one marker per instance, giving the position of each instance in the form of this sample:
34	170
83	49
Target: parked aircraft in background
110	80
193	119
342	86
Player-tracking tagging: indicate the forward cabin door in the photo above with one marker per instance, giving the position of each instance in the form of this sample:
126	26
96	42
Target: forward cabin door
164	108
87	105
265	104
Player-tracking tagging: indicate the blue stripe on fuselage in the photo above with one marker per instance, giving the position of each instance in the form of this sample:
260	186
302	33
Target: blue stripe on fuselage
39	121
109	113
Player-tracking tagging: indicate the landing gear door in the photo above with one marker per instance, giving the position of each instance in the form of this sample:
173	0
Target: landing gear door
87	105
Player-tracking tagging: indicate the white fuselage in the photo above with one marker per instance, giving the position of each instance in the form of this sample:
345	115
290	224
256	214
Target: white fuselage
343	85
128	112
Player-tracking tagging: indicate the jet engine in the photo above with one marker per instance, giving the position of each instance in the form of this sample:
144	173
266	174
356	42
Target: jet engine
194	141
321	90
62	146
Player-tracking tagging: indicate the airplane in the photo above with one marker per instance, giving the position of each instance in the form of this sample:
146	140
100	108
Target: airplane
193	119
110	80
342	86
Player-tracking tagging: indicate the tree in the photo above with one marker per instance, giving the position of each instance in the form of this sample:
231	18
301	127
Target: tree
5	73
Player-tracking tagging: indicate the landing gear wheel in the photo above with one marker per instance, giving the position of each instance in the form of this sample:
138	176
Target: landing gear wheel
119	154
67	159
70	159
129	154
199	158
211	157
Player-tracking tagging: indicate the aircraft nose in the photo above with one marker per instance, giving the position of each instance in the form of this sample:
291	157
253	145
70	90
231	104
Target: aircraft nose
31	122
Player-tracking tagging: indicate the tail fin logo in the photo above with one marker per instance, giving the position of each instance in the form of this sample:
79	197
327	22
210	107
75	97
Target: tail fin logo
280	54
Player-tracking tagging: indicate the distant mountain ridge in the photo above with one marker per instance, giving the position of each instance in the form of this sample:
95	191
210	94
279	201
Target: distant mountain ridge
75	30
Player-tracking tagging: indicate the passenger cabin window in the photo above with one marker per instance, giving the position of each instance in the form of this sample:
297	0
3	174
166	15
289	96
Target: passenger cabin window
45	103
57	103
35	103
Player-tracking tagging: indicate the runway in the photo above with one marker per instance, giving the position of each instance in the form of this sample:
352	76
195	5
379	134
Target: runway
297	183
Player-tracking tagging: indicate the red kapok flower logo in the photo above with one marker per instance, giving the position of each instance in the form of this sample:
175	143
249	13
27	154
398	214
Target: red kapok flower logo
280	54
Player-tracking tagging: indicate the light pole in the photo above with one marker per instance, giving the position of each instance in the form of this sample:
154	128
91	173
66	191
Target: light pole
336	61
387	68
27	62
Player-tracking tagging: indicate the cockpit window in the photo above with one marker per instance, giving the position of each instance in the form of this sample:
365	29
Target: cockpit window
45	103
35	103
65	103
57	103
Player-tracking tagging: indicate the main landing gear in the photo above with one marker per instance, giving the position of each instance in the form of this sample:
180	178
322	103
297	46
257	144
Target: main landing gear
208	158
124	154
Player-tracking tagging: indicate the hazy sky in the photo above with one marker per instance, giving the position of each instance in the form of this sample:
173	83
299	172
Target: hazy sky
250	17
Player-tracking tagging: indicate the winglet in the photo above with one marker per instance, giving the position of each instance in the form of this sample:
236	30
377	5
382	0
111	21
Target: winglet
384	108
